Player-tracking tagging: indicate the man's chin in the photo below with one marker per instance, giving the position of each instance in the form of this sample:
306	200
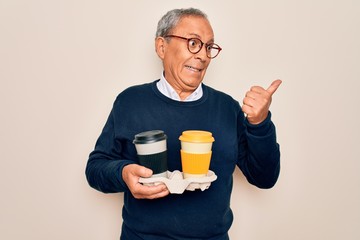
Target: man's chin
193	83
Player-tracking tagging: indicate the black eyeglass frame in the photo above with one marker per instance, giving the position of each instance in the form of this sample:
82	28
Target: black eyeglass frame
211	45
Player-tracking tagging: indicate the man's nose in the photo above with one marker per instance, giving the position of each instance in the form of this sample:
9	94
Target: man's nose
202	55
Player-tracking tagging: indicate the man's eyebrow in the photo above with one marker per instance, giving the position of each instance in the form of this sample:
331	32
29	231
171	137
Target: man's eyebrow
195	35
198	36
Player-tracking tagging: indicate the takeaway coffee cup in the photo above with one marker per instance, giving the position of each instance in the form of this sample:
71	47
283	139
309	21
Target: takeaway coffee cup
196	152
152	152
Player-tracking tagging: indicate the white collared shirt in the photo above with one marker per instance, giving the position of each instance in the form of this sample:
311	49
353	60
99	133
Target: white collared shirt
165	88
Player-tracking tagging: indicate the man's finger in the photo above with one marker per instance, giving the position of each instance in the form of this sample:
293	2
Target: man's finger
145	172
274	86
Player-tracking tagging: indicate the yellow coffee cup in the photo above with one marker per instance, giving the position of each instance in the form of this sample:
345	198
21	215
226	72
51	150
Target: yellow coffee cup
196	152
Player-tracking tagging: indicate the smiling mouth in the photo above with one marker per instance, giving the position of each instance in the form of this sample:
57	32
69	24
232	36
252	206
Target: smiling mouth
193	68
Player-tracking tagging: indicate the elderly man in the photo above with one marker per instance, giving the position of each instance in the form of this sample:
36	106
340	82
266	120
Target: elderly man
177	102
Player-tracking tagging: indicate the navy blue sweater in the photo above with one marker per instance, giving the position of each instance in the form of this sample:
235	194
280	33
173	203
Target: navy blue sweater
193	214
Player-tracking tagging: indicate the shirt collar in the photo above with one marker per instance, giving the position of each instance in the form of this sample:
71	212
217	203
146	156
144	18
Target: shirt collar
165	88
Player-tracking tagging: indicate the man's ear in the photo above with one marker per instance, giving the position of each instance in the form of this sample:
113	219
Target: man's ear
160	47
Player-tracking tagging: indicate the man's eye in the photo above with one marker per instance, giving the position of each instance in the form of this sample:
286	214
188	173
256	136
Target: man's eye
192	42
209	47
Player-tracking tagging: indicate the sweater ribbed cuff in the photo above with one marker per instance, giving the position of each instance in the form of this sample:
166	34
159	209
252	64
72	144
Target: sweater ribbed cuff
261	129
119	172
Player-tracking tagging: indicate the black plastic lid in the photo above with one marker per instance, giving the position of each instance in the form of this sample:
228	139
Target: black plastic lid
149	137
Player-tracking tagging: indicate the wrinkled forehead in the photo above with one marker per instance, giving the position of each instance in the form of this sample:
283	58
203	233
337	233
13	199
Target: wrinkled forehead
194	26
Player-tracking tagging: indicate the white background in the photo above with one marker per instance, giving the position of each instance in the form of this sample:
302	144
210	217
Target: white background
62	63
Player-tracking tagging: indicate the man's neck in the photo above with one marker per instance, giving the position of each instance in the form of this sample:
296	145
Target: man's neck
165	88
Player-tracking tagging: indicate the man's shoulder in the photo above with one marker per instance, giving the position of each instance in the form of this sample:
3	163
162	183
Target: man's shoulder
135	94
137	90
217	94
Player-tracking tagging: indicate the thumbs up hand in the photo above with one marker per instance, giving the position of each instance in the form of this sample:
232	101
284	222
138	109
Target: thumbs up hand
257	102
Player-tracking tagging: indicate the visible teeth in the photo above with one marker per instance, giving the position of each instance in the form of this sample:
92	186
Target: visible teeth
193	68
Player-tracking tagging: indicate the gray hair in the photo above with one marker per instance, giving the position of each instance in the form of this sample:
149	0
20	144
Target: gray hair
172	18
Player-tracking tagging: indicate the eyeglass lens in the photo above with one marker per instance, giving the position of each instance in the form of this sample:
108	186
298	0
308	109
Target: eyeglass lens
195	45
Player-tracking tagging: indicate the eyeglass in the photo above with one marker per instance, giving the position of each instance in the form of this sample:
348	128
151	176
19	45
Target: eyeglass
195	45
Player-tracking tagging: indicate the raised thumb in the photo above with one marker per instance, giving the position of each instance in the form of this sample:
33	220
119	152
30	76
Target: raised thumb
274	86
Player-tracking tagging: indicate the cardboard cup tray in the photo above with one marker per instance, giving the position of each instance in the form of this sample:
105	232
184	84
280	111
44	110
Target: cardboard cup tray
177	184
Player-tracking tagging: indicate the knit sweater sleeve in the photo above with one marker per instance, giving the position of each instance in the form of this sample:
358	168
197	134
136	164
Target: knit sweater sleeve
105	164
259	152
